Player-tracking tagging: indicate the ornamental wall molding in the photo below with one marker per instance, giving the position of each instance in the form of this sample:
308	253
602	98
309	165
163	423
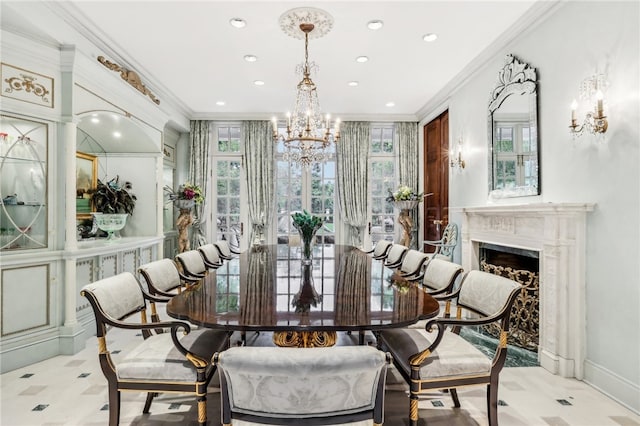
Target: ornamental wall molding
130	77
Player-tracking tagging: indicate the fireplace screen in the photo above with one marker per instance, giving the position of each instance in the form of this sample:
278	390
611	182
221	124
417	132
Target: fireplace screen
522	268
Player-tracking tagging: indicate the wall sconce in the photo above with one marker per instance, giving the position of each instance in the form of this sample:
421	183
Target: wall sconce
455	157
591	92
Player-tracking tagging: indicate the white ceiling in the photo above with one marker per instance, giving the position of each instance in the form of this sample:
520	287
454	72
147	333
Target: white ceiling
188	54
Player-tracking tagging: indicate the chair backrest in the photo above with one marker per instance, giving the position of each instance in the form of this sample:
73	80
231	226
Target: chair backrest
486	293
115	297
299	383
382	249
191	263
210	254
223	249
161	275
412	262
396	254
440	275
449	240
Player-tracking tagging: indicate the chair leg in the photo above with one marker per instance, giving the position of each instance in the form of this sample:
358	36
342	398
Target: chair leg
202	410
413	410
147	403
492	404
114	405
454	396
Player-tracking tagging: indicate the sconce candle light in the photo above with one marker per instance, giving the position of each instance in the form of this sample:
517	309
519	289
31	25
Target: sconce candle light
455	158
595	121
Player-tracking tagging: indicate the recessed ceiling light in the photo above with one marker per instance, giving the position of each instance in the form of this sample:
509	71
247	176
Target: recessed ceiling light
117	134
259	83
375	24
238	22
390	104
362	59
353	83
220	103
250	58
430	37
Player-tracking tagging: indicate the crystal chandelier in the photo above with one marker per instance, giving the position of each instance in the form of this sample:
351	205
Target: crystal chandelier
308	135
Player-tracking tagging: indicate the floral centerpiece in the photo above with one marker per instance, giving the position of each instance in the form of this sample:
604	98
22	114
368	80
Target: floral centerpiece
307	225
186	196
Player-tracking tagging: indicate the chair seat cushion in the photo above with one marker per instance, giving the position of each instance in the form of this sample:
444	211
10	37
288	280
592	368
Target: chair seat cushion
157	358
454	356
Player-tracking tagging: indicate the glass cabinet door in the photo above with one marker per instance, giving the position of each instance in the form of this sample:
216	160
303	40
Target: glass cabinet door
23	183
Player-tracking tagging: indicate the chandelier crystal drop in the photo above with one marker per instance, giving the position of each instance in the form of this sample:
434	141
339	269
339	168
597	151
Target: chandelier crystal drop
309	133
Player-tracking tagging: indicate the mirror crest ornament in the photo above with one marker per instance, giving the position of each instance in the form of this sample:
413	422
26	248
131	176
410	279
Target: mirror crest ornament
513	132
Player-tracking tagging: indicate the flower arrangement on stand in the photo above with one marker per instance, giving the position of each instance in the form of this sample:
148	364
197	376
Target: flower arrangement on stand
405	199
187	196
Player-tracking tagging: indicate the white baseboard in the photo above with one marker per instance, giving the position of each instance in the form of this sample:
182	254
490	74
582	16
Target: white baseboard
612	385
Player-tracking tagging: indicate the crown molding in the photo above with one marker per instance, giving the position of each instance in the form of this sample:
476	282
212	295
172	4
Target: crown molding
537	14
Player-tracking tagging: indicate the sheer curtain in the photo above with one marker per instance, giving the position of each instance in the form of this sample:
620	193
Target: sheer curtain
407	134
198	175
259	160
352	158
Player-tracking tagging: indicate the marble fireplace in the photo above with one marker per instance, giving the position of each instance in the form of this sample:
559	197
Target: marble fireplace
558	232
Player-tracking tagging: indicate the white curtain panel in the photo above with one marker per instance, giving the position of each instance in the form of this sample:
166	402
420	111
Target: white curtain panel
259	151
352	175
198	175
407	136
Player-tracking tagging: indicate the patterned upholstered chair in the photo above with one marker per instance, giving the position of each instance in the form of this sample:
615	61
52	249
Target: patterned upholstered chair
438	279
224	250
438	358
395	256
178	360
163	277
381	250
210	256
192	264
412	263
310	386
444	246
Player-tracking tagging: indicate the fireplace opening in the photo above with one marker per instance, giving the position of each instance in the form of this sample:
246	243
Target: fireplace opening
522	266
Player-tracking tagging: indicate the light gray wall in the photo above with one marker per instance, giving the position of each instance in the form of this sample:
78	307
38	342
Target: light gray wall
576	41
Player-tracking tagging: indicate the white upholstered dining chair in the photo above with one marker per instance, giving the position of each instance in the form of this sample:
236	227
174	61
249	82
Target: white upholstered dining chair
302	386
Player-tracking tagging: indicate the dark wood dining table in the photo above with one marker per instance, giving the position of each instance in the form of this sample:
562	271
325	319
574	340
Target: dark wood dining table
267	288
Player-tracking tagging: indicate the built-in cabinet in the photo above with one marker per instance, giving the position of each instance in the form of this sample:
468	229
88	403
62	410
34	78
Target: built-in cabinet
23	183
44	259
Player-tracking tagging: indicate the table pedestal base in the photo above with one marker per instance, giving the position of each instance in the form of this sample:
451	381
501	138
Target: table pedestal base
305	339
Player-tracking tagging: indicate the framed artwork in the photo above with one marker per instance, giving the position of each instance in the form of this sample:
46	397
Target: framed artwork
86	182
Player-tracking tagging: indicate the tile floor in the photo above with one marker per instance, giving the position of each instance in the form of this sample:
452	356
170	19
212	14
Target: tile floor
71	390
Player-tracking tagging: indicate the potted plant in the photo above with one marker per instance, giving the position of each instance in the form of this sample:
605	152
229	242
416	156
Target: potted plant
113	197
113	202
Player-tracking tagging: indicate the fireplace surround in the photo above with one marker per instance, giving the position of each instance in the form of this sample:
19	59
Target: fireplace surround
558	232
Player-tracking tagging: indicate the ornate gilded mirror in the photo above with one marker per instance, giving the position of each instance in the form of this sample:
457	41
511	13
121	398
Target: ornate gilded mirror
513	132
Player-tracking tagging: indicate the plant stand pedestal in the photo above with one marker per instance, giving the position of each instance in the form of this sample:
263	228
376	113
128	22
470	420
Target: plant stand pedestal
404	219
183	222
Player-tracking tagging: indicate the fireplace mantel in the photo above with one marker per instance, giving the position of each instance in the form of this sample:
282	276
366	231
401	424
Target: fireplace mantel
558	232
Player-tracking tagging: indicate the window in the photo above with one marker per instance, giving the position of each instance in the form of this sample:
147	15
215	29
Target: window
515	153
300	189
227	184
382	177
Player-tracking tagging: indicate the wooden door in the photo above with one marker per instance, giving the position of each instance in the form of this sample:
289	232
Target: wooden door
436	177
